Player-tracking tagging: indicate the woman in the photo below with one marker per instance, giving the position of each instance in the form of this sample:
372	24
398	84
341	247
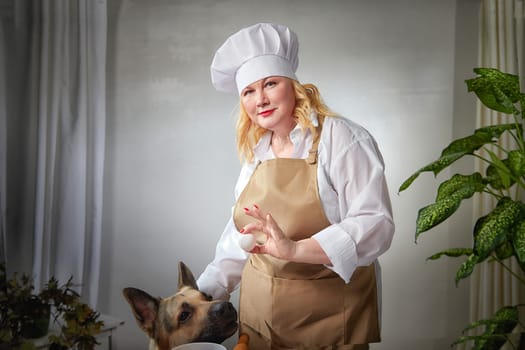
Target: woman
312	187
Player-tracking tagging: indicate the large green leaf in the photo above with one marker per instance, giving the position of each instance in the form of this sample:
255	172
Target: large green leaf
503	320
449	197
516	162
504	250
459	148
498	174
464	185
483	341
466	268
495	89
435	213
452	252
495	330
518	241
492	230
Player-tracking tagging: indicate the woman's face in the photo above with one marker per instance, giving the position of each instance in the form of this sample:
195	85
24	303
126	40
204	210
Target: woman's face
270	103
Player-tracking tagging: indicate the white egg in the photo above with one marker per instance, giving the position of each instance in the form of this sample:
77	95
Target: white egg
247	241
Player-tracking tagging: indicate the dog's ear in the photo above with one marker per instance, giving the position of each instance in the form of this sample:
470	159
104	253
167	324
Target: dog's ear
145	307
186	277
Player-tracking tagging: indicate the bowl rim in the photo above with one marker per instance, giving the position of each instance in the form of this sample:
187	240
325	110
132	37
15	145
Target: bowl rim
188	346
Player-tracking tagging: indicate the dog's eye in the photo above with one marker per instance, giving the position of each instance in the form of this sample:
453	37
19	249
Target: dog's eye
184	316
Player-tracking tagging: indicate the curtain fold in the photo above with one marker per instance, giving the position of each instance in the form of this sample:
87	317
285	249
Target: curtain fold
4	17
67	100
501	47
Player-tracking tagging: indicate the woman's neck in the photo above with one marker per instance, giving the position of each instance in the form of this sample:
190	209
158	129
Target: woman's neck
282	146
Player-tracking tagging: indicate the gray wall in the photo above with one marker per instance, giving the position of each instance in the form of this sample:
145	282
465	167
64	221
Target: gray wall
396	67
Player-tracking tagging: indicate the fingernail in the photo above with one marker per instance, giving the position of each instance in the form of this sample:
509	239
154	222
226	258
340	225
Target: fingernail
256	207
242	230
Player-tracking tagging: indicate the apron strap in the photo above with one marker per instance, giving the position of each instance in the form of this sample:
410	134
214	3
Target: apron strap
312	154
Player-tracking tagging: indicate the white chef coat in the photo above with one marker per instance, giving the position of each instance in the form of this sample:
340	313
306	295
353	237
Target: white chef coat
353	192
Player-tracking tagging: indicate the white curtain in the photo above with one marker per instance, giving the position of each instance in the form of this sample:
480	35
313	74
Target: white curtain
67	102
500	46
5	20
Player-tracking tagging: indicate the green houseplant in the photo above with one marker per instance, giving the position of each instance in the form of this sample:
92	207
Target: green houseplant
25	315
500	235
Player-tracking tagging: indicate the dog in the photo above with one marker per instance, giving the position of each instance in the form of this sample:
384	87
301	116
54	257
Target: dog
187	316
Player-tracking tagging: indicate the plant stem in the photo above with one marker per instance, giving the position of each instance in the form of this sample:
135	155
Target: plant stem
494	194
509	269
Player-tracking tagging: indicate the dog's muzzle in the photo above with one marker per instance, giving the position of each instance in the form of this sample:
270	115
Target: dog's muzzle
222	323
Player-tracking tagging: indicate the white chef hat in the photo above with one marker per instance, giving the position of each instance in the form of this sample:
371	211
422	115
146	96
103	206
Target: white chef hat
254	53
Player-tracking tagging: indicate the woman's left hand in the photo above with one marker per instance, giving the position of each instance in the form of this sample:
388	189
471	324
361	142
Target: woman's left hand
276	243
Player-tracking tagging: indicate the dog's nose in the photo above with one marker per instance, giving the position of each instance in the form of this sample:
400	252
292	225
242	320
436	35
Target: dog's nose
223	309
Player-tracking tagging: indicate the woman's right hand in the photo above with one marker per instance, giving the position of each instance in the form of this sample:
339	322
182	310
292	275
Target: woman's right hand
275	243
278	245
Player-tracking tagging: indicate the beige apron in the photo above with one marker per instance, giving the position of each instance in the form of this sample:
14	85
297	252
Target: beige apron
286	305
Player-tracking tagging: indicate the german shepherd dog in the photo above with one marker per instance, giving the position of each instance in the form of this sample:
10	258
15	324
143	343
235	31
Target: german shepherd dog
187	316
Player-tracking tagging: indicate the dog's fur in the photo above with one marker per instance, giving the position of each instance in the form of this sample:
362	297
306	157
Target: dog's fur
185	317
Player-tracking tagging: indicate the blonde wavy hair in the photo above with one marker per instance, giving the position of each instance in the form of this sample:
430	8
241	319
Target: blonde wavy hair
307	99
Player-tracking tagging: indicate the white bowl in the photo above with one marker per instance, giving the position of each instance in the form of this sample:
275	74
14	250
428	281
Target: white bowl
200	346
